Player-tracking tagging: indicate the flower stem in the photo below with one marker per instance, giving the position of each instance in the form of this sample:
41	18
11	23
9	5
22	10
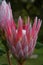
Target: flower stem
8	56
20	64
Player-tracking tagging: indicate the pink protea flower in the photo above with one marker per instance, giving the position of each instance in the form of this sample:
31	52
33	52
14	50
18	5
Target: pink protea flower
5	17
5	13
20	41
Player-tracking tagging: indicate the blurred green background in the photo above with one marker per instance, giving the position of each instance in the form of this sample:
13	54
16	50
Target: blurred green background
26	8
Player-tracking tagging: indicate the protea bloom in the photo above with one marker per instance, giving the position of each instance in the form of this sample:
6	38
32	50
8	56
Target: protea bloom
5	13
20	41
5	16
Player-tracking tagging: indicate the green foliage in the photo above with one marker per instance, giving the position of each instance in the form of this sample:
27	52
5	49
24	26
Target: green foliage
39	45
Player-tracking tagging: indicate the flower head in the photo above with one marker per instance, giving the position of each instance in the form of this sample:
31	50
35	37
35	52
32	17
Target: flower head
5	13
22	41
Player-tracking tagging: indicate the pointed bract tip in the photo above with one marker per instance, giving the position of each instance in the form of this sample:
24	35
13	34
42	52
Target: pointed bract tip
28	17
4	3
19	17
36	18
9	5
20	20
30	25
41	21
